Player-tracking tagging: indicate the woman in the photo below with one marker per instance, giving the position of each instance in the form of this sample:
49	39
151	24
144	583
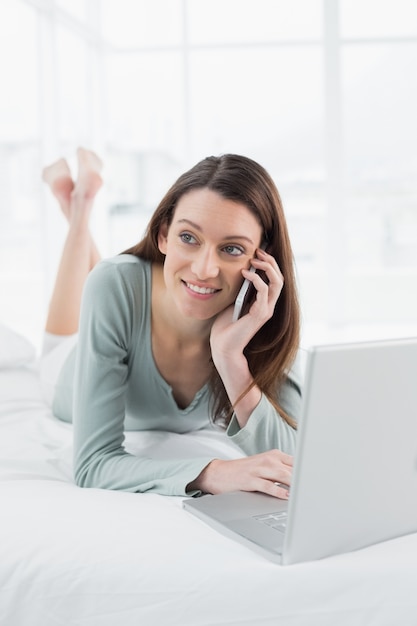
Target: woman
157	348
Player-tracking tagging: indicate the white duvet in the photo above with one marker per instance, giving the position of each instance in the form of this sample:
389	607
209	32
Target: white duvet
88	557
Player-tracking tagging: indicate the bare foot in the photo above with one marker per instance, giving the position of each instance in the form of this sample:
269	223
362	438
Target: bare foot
58	177
89	180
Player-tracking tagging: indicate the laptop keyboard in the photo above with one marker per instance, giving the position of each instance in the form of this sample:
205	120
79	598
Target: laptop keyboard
277	521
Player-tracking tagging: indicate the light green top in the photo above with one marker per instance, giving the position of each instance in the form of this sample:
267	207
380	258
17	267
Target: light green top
116	386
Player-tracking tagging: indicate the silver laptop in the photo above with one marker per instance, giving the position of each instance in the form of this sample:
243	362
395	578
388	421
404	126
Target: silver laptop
355	472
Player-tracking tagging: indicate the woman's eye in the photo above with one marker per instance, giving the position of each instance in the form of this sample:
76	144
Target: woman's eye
233	250
187	238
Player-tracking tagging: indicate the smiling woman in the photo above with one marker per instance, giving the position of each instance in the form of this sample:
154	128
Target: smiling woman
157	348
206	248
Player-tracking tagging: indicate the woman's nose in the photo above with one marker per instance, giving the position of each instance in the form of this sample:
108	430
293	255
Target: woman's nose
205	264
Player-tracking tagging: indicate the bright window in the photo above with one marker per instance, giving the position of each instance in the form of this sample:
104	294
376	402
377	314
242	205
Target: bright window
321	92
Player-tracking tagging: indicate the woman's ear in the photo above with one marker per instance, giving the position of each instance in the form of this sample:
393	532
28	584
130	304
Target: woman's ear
162	238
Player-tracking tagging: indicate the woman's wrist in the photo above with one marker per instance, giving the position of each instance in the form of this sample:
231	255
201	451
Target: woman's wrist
205	481
238	382
246	405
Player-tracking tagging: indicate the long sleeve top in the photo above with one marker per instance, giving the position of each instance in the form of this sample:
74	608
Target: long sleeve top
110	384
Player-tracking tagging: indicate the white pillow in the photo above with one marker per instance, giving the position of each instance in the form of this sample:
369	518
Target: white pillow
15	350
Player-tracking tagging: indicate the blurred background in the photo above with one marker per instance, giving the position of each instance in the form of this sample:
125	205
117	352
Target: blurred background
323	93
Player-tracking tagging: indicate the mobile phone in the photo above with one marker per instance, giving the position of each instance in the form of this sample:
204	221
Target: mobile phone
243	293
245	296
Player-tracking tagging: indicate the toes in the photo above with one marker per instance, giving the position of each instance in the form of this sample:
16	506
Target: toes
57	170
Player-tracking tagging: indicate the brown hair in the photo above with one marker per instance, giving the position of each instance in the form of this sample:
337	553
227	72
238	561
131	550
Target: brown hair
271	352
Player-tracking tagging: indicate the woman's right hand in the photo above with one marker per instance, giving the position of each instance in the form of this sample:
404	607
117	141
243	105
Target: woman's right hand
268	472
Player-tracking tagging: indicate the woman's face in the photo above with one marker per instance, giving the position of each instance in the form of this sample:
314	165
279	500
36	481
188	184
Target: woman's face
208	243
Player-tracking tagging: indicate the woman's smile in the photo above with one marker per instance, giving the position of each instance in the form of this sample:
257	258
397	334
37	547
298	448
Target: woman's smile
200	291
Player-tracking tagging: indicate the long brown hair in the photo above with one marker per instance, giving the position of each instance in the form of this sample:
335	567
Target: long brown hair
271	352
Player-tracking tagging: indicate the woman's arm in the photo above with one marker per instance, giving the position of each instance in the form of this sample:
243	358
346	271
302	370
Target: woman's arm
264	467
256	425
101	378
228	339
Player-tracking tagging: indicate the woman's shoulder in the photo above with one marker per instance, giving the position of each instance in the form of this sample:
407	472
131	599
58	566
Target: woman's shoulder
117	294
123	263
117	279
124	268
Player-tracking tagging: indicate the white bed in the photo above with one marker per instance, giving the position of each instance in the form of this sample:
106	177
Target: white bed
87	557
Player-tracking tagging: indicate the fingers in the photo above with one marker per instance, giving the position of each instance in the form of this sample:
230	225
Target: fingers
271	473
268	264
267	292
286	459
271	488
275	489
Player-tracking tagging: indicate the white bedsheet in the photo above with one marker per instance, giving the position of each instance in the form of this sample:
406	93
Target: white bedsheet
89	557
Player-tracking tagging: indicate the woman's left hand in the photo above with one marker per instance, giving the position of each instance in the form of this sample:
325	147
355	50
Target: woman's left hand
230	338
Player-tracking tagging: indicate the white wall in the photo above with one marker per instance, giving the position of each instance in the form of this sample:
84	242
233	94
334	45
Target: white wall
319	91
